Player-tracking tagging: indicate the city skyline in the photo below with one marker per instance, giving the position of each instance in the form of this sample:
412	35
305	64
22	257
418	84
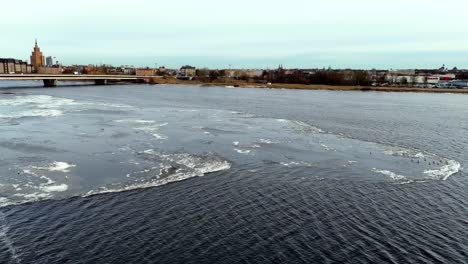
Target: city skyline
303	34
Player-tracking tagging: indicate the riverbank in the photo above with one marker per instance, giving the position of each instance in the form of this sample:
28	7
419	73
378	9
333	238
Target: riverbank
243	84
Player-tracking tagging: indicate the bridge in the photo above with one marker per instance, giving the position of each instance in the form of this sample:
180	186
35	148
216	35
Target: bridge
51	80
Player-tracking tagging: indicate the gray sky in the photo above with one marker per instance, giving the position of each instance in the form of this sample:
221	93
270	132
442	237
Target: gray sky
241	33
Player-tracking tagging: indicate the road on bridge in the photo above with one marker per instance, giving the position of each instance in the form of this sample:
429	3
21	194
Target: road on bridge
50	80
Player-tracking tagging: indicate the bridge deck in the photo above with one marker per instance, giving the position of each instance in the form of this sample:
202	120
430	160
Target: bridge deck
71	77
50	80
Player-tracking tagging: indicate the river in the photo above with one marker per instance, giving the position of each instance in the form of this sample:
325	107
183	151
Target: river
192	174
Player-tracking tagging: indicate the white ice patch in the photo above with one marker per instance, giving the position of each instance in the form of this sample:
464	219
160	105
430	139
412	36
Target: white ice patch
45	106
158	136
55	188
28	171
35	106
149	151
32	197
327	148
61	166
405	153
395	152
306	128
390	174
136	121
153	130
296	164
44	101
34	113
267	141
290	164
5	202
57	166
186	110
449	168
242	114
445	171
242	151
419	155
199	165
110	105
152	127
188	166
49	180
41	182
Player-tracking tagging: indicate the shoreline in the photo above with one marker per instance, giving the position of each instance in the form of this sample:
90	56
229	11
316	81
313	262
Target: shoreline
314	87
290	86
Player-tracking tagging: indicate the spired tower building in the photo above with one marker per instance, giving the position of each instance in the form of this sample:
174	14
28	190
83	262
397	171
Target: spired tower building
37	59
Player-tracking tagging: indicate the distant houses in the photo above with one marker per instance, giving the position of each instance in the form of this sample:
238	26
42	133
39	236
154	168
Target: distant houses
122	70
145	72
50	70
187	72
243	73
430	78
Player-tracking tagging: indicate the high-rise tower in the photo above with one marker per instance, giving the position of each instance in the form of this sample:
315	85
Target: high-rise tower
37	59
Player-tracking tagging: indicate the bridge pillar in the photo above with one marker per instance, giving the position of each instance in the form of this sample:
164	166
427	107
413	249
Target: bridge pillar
50	83
100	82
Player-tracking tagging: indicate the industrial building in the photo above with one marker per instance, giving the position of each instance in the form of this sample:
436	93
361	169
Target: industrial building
11	66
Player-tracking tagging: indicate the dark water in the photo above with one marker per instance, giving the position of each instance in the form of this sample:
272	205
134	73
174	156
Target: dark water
186	174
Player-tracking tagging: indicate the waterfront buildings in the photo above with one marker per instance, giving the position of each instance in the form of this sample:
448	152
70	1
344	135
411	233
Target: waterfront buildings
145	72
10	66
50	70
242	73
37	58
418	79
187	71
15	66
121	70
49	61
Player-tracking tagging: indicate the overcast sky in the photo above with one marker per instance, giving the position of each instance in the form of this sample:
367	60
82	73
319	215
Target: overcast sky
241	33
